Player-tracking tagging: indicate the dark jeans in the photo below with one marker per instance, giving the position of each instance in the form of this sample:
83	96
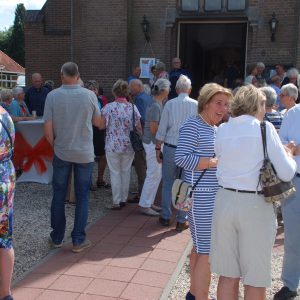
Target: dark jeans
82	182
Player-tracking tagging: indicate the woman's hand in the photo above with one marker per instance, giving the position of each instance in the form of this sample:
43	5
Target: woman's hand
297	150
213	162
291	148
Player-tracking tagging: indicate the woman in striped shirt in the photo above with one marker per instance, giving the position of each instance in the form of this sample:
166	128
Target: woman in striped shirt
195	153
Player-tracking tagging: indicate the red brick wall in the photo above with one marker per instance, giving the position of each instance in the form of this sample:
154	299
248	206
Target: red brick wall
100	40
108	40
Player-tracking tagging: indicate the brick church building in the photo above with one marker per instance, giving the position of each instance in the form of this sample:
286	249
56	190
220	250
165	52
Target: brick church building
106	38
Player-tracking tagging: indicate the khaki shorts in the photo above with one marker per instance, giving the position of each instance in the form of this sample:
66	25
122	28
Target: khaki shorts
243	234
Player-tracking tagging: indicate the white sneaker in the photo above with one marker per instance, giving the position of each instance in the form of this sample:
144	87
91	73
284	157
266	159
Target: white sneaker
156	208
148	211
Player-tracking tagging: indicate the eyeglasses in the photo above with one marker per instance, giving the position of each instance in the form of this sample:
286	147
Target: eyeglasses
282	95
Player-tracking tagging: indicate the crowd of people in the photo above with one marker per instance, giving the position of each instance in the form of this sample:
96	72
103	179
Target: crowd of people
217	136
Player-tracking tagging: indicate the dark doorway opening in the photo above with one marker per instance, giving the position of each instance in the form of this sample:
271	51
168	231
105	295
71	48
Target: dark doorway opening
208	49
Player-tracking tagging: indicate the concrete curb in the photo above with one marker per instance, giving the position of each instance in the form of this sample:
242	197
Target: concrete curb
168	288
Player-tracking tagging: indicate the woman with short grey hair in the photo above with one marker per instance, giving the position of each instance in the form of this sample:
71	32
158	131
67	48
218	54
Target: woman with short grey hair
271	114
19	96
160	92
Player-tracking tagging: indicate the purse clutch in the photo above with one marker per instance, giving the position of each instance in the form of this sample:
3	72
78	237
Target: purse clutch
274	189
182	193
135	138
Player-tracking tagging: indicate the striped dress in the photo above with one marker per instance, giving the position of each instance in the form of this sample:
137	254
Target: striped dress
196	140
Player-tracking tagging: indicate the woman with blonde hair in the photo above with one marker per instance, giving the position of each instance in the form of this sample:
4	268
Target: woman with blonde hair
117	118
195	154
244	224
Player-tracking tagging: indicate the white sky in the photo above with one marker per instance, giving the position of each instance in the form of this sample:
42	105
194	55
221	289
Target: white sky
8	7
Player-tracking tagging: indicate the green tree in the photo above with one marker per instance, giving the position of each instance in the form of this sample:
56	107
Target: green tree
5	37
16	48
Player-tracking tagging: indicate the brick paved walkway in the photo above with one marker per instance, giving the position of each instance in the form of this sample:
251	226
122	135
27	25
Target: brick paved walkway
132	257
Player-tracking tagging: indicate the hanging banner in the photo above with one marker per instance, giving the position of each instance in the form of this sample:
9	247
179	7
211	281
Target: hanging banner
146	64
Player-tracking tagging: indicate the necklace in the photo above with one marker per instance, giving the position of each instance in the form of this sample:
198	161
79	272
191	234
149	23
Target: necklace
203	119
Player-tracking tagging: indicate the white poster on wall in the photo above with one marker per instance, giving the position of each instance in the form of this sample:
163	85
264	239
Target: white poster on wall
146	64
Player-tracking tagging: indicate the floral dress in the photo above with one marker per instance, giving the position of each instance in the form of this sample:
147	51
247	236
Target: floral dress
118	117
7	181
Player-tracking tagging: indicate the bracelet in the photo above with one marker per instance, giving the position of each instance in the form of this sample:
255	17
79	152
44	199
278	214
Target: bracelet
208	165
157	149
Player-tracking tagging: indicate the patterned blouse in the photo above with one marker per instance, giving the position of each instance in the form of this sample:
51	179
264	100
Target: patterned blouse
119	119
7	181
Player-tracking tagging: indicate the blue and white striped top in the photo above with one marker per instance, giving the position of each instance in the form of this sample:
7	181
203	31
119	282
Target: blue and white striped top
196	140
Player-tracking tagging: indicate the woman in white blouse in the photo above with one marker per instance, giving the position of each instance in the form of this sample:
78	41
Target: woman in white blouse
244	225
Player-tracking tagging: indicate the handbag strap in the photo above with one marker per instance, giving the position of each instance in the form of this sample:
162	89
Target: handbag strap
133	117
9	136
264	139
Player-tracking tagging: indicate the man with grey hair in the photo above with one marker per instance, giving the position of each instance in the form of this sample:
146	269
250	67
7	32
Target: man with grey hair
175	74
36	95
290	276
288	97
142	100
69	114
175	112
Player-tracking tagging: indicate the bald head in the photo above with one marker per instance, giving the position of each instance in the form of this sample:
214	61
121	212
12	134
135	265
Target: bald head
176	63
37	80
136	86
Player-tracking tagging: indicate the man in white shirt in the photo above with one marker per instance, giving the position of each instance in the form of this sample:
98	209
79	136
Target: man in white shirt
175	112
290	276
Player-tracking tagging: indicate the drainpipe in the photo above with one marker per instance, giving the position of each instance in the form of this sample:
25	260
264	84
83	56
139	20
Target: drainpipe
297	52
72	33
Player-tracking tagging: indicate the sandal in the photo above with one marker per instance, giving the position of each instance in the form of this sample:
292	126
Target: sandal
103	184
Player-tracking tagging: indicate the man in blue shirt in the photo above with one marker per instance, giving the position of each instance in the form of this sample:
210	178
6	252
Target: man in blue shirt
35	96
136	72
175	74
142	101
141	98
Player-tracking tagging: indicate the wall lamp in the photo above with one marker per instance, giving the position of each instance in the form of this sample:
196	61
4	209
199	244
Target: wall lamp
273	26
145	27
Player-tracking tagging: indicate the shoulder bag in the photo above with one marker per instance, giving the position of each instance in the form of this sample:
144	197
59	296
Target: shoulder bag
182	192
134	136
274	189
10	139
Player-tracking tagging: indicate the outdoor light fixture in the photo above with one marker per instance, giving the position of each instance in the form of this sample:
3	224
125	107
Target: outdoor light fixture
273	26
145	27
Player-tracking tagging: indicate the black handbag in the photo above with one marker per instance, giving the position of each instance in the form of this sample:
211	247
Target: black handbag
274	189
135	138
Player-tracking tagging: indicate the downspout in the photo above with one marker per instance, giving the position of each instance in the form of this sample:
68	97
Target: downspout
72	32
297	52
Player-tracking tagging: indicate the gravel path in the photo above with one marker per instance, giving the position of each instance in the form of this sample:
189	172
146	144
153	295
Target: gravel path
182	284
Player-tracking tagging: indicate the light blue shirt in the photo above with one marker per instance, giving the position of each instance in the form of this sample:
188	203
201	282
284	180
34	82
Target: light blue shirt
13	108
175	112
289	130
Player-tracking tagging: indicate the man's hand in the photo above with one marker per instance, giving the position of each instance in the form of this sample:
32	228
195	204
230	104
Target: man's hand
159	156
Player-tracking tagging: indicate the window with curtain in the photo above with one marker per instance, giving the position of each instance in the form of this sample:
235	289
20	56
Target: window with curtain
213	5
189	5
236	4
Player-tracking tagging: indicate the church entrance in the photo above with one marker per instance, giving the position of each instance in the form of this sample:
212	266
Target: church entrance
210	50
